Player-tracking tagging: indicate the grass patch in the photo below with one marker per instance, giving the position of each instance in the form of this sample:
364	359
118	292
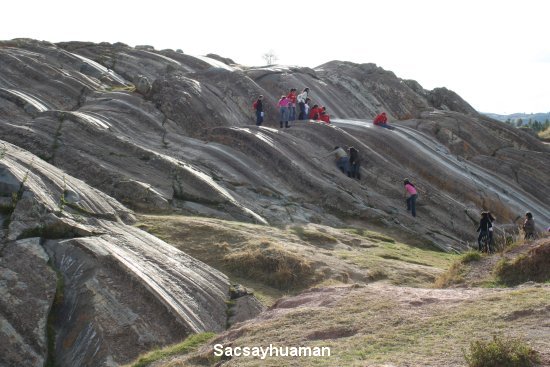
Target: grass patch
470	256
271	263
455	275
191	343
532	266
313	236
501	352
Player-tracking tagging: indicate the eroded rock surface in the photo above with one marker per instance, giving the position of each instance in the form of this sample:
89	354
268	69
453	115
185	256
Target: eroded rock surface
120	291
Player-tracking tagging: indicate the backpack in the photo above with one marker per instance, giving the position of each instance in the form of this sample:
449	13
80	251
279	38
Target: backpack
255	104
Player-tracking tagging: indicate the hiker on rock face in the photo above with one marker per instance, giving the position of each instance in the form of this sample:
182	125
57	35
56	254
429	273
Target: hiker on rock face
259	108
292	105
485	228
529	226
411	194
341	158
382	121
324	115
283	107
301	98
354	163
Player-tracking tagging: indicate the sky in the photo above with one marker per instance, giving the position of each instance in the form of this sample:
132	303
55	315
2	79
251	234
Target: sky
494	54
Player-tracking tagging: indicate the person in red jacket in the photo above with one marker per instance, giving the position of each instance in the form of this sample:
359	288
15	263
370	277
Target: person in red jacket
324	115
382	121
291	105
315	112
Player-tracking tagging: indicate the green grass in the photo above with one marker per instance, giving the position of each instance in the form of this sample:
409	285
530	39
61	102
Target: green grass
531	266
186	346
501	352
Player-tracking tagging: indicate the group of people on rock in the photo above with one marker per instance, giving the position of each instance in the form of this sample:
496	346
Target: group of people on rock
349	162
287	109
485	229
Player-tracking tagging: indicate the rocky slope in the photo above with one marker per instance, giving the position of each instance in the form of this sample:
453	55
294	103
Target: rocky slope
102	289
91	132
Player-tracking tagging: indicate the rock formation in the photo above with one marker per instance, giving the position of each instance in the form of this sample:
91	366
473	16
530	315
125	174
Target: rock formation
91	132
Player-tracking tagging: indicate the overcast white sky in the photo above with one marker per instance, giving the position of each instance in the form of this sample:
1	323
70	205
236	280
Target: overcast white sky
495	54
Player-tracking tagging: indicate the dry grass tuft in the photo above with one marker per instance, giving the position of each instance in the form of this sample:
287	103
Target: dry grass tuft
271	263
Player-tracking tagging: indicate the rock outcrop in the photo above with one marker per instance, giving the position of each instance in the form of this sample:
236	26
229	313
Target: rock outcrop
120	291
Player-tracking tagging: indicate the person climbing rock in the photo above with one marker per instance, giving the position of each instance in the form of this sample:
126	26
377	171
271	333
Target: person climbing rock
412	195
485	228
259	108
354	163
341	158
382	121
529	226
301	98
283	108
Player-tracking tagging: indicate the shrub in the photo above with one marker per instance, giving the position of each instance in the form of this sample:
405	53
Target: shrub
501	353
470	256
272	264
455	275
532	266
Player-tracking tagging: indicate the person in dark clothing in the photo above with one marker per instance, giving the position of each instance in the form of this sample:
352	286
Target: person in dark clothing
354	163
259	107
529	226
485	228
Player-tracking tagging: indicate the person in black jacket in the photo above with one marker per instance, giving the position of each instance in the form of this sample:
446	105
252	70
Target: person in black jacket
259	107
485	228
354	163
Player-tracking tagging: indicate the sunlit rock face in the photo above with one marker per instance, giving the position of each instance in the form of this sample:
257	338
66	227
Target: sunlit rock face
164	131
80	286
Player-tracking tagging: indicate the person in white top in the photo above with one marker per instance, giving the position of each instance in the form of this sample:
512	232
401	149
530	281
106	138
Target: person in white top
301	99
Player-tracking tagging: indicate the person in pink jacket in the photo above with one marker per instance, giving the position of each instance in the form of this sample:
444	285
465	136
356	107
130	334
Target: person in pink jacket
410	191
283	107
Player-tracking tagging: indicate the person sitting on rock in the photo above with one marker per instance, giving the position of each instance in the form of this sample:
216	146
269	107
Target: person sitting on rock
382	121
354	163
315	112
412	194
529	226
324	115
485	228
341	158
283	108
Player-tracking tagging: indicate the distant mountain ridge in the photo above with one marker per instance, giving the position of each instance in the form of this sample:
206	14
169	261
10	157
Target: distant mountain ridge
541	116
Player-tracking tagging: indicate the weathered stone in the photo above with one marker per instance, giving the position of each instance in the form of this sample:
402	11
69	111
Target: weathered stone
27	290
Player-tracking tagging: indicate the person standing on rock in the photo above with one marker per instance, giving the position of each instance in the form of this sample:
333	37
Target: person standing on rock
412	194
301	98
354	163
485	228
382	121
306	109
259	107
529	226
283	108
292	105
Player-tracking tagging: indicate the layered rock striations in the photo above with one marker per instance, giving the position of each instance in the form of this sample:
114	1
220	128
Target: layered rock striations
82	287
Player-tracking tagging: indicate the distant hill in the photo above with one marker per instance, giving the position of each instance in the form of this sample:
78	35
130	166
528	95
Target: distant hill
541	116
